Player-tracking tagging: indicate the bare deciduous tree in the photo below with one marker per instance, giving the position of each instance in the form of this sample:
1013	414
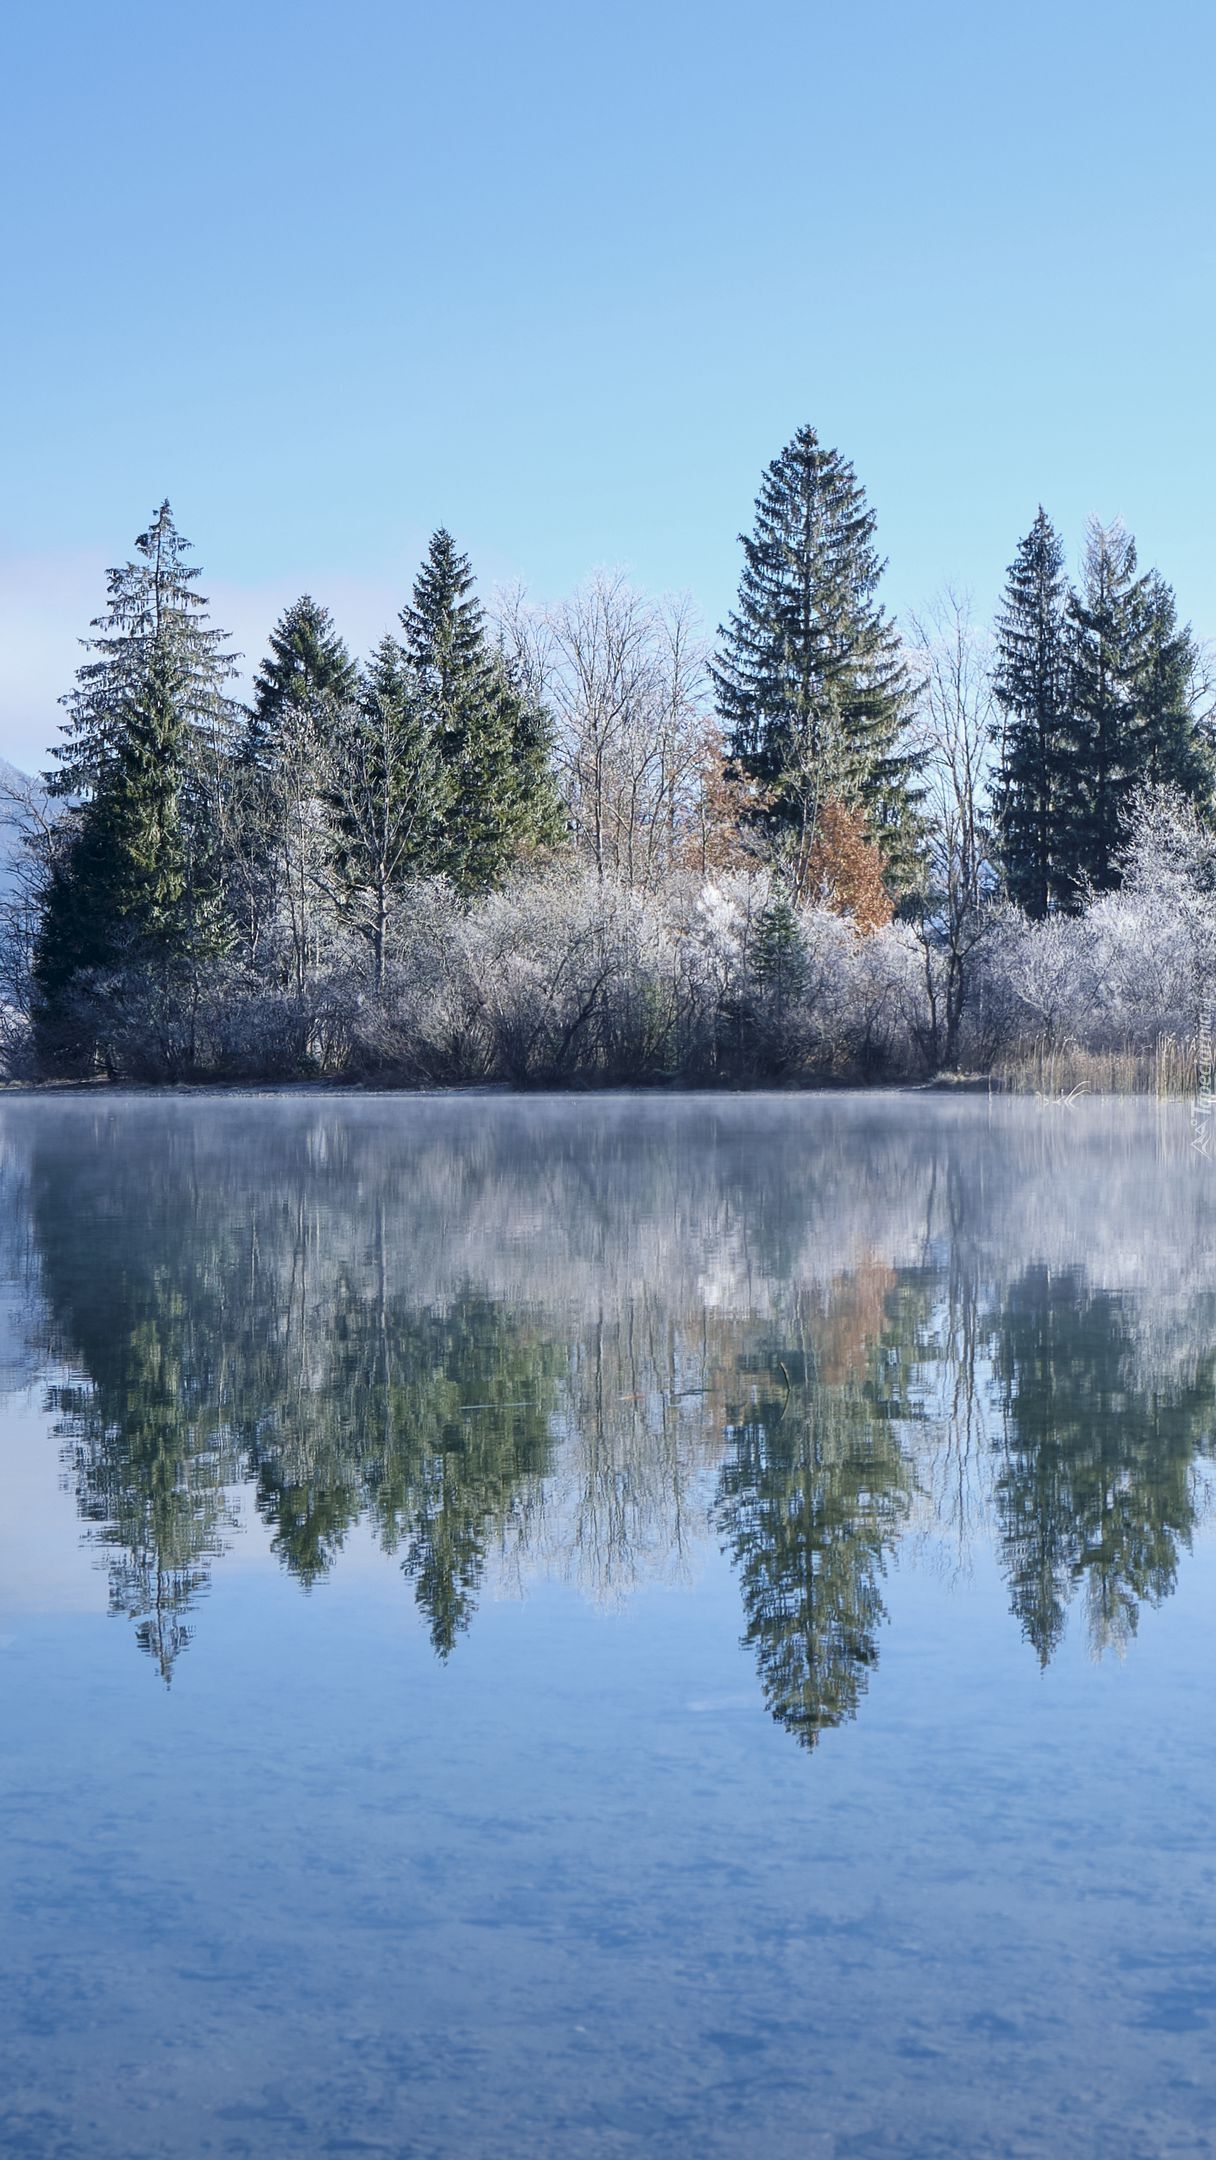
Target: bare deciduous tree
953	738
31	832
626	679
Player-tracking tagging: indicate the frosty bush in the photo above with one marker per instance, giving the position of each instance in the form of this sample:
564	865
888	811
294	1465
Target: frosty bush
1134	967
569	978
566	977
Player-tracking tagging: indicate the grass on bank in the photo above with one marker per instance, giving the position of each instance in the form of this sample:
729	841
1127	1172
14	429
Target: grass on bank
1172	1067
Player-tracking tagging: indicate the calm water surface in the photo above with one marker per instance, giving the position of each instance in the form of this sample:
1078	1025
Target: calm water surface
610	1628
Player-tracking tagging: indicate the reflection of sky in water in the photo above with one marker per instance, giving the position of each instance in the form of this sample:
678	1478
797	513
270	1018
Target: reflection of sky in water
888	1414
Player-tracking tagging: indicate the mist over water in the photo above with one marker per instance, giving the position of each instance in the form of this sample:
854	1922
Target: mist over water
622	1625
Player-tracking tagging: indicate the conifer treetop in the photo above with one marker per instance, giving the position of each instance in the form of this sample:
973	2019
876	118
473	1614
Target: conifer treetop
154	631
307	660
444	624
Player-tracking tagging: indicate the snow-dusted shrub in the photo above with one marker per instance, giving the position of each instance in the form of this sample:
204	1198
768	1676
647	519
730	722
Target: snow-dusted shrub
170	1024
419	1030
275	1033
1041	974
18	1052
884	1003
542	966
567	977
1136	966
1155	940
716	932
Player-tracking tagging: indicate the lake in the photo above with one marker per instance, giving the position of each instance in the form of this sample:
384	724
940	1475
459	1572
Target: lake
626	1626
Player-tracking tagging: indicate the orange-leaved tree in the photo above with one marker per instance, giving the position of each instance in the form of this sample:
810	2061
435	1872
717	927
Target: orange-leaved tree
842	869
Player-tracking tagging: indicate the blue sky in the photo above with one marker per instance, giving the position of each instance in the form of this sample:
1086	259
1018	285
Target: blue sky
564	278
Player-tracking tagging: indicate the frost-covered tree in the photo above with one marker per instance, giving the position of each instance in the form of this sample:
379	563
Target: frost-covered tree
955	727
626	680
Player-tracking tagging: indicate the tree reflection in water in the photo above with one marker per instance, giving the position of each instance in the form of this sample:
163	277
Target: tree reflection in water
580	1339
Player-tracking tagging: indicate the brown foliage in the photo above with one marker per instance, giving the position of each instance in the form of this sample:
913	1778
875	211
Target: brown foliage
854	1312
842	869
722	831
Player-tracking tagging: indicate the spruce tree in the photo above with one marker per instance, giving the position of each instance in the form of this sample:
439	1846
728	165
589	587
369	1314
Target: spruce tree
154	632
388	793
490	736
279	842
1104	622
540	821
1035	796
1173	749
811	684
445	638
134	875
307	661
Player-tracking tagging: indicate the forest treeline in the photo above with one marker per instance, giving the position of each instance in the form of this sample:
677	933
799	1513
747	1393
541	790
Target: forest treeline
576	844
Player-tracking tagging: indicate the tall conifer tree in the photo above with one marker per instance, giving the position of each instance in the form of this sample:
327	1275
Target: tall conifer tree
811	684
1173	750
154	632
1035	798
491	738
1104	619
280	851
134	875
388	793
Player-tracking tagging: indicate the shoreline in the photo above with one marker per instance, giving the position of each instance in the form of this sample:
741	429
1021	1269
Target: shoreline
944	1084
